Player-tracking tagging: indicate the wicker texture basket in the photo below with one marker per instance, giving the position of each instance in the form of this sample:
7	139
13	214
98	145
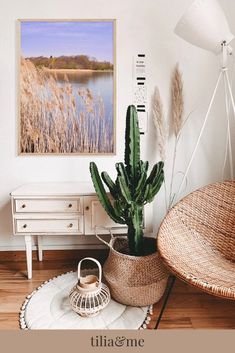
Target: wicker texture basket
197	239
134	280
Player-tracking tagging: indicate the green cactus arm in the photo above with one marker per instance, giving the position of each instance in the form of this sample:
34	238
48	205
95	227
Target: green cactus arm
159	174
120	208
143	167
102	195
158	183
146	191
132	149
149	197
140	184
140	199
121	170
155	171
154	188
110	184
124	190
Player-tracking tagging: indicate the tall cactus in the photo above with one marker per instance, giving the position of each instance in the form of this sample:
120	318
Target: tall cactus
132	189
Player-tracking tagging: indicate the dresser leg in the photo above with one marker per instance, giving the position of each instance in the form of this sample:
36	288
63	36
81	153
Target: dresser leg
28	246
40	253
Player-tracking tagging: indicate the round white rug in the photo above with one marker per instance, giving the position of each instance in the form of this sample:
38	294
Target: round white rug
48	308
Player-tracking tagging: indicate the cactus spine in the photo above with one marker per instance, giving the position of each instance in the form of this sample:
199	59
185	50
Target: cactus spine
132	189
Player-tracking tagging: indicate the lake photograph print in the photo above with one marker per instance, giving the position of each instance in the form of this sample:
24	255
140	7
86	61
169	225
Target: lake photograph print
66	87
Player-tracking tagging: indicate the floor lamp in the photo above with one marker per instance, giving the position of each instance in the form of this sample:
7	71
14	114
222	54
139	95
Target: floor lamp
204	25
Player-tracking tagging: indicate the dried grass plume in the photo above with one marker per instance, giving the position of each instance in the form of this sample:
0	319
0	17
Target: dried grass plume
177	100
159	123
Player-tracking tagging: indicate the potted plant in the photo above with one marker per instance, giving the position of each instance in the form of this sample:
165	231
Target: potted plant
133	270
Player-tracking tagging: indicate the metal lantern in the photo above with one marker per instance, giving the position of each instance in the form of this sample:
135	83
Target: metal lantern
90	295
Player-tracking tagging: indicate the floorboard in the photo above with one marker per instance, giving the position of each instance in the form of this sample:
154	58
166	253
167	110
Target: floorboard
187	306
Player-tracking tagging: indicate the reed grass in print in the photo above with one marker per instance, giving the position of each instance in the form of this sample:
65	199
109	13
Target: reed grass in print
67	87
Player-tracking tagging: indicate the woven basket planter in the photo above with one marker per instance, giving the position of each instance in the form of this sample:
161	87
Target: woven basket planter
134	280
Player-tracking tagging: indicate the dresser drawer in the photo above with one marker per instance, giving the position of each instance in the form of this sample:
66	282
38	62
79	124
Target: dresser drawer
49	226
48	205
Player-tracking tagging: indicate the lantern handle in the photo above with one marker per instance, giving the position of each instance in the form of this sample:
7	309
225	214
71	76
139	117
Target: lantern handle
90	259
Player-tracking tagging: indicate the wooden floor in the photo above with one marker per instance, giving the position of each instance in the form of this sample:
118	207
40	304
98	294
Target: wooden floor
187	307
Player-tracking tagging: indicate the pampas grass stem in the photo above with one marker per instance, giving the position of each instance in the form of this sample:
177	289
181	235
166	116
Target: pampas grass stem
177	109
159	123
177	100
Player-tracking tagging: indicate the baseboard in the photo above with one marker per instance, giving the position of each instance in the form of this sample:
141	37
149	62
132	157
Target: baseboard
52	255
55	247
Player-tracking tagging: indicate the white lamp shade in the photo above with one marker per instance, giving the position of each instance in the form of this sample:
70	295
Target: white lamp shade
204	24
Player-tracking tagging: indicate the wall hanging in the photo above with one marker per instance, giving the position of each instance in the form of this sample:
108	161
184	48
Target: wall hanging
67	87
140	90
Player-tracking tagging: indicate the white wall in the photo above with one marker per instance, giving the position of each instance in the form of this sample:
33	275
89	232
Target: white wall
145	26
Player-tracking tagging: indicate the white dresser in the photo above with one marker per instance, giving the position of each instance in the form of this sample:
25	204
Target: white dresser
41	209
55	208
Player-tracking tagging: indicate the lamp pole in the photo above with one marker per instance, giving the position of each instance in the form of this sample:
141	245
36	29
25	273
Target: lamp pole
226	49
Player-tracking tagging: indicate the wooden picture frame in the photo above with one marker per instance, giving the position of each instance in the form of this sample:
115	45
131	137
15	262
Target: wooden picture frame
67	102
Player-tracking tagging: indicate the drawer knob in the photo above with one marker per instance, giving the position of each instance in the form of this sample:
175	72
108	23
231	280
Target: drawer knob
23	206
87	208
70	225
70	205
25	226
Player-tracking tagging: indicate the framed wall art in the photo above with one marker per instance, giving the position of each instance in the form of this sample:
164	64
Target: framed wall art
67	87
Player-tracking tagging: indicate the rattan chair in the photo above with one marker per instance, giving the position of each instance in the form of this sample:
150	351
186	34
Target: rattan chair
196	239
